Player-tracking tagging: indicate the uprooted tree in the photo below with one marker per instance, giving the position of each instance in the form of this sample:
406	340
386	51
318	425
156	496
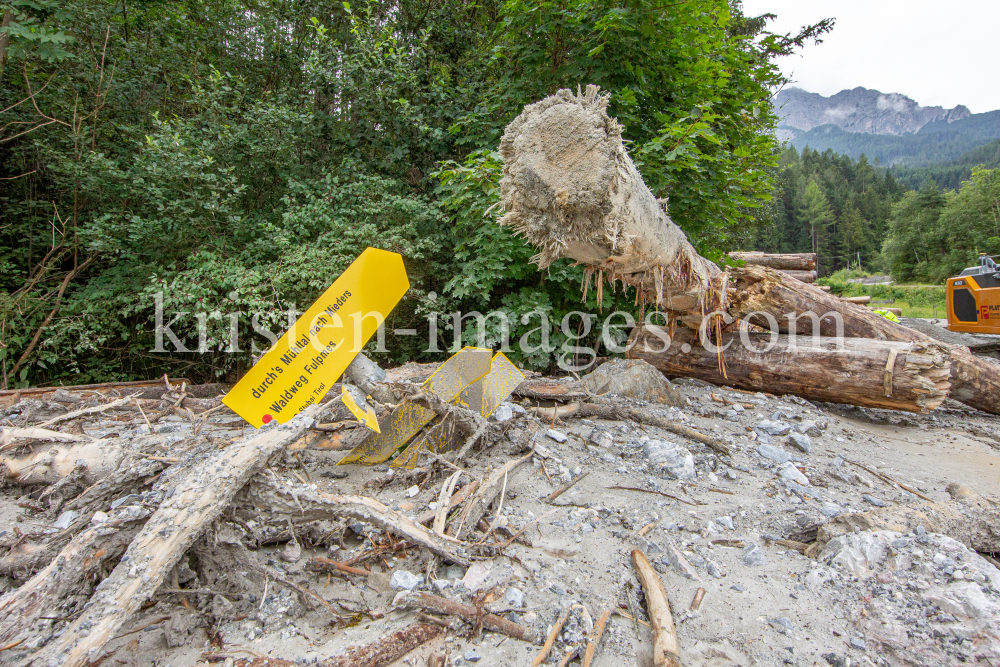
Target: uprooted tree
571	189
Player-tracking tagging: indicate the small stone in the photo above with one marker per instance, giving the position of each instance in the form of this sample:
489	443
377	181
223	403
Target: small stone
413	491
800	441
441	584
835	660
514	597
858	644
920	530
774	453
782	625
773	427
292	552
556	435
66	519
503	413
872	500
831	510
714	571
737	588
738	408
472	656
99	517
404	580
726	522
793	474
670	458
753	555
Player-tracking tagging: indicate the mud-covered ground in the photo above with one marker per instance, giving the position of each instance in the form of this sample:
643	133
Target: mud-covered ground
872	597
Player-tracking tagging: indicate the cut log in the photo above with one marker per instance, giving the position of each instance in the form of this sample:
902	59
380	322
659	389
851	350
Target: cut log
857	299
975	381
571	189
871	373
203	489
801	276
800	261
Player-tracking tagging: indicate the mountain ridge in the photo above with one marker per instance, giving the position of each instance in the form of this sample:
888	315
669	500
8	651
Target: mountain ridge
858	110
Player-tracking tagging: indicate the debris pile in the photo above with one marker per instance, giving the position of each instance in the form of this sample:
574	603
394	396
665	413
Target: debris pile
151	526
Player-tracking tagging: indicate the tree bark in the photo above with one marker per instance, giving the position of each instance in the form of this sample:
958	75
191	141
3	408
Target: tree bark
801	276
802	261
857	374
199	495
4	41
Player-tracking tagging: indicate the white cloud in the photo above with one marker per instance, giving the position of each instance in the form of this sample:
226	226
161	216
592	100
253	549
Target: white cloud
939	54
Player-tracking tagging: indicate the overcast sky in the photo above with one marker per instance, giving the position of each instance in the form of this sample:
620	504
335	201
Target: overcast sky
937	53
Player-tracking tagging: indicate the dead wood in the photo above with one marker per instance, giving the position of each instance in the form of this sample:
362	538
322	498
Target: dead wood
456	500
624	412
387	650
551	639
278	499
548	389
802	261
82	412
70	574
801	276
594	640
198	494
872	373
49	464
666	650
487	492
438	605
11	434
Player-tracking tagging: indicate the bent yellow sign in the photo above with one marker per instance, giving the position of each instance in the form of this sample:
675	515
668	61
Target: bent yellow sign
306	361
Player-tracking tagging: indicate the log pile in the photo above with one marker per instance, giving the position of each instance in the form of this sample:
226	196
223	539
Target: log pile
801	266
570	188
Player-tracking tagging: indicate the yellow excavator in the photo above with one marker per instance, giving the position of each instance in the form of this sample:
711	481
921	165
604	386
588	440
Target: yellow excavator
974	298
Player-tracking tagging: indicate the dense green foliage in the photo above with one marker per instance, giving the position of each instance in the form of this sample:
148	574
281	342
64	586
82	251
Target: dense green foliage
934	234
831	205
235	156
939	141
950	174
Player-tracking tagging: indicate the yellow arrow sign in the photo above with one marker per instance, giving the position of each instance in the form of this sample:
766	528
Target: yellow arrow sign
305	362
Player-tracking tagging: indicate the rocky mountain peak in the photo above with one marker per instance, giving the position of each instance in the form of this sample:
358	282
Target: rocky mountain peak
857	110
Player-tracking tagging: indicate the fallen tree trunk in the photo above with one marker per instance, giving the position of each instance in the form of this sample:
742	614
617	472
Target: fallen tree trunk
570	188
49	464
799	261
202	490
877	374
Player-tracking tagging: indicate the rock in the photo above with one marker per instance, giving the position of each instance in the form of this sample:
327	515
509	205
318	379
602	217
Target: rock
726	522
503	413
472	656
800	441
66	519
514	597
99	517
835	660
737	588
782	625
413	491
670	458
872	500
223	609
809	427
774	453
858	553
556	435
292	552
769	427
753	555
404	580
600	438
476	575
632	378
714	570
793	474
964	599
858	644
683	567
441	584
831	510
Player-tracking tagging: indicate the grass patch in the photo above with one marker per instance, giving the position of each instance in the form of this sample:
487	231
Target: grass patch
914	300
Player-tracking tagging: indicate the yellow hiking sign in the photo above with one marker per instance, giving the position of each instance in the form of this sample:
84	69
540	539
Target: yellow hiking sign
306	361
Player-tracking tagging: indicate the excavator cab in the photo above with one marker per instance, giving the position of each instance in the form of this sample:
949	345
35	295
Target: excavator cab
974	298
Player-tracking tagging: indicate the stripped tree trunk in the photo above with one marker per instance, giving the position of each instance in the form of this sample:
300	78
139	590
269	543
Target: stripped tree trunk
571	189
872	373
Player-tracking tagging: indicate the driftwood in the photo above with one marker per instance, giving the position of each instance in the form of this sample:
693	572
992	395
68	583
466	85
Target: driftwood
623	412
66	575
487	492
666	650
198	496
547	389
387	650
438	605
872	373
802	261
282	499
594	639
51	463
